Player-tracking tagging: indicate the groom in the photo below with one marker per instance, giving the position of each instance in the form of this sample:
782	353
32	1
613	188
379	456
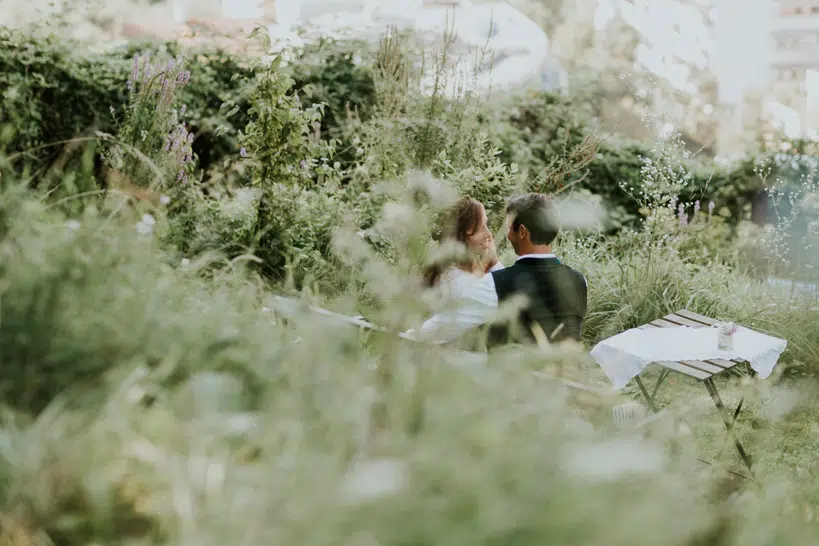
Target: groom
551	296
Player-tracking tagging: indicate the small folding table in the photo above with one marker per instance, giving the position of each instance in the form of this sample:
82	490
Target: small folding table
704	371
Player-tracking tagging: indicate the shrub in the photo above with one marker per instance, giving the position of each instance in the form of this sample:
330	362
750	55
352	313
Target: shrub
50	96
45	79
82	297
338	75
153	140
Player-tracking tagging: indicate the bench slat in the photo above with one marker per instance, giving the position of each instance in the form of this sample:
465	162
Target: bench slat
685	370
664	323
704	366
682	321
289	308
696	317
722	363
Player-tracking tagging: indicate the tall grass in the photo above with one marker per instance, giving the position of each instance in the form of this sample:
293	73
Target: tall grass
172	408
155	399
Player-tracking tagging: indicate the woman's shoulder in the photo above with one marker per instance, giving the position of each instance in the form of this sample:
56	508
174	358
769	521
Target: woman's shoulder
458	283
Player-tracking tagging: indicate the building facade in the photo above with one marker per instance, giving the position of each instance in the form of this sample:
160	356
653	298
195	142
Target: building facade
795	63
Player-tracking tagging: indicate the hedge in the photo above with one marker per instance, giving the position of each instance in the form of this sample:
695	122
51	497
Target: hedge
51	94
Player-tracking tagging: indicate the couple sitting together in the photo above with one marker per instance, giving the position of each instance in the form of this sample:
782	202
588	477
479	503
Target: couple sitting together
551	297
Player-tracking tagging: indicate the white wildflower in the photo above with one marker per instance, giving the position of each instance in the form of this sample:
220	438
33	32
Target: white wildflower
369	480
146	225
613	459
164	200
73	225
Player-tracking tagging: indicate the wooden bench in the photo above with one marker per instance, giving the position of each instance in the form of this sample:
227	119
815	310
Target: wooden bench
581	394
703	371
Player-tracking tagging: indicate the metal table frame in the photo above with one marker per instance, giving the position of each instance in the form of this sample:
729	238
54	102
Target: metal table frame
704	372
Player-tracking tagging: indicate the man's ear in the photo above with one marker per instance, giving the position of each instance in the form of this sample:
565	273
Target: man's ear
523	233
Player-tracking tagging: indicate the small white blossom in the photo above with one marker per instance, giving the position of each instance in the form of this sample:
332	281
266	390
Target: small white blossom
146	225
73	225
375	479
164	199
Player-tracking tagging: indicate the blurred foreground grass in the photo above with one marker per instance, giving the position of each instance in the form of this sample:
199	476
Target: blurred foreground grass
148	403
151	398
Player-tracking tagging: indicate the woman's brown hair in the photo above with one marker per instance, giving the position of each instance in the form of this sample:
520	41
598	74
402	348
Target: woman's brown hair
456	223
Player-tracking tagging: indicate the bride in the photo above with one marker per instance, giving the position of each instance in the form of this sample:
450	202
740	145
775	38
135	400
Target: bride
457	281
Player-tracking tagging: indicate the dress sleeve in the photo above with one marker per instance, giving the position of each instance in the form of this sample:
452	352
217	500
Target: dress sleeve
475	307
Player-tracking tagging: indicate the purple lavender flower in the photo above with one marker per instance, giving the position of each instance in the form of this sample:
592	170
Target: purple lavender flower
696	207
242	152
303	164
168	86
183	109
146	70
682	216
134	74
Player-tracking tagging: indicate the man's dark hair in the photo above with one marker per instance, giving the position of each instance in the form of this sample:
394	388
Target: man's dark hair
537	212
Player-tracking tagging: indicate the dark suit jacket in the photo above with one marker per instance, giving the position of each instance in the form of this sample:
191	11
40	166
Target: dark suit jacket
554	296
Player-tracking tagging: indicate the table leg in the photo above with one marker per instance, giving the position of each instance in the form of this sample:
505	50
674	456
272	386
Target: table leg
650	397
729	423
647	396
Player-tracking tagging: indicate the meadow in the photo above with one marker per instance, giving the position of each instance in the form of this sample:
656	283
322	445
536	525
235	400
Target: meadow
154	202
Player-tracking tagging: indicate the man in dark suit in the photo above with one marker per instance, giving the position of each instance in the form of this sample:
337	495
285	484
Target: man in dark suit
553	294
551	297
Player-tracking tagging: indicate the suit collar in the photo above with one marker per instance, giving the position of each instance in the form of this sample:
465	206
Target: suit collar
536	256
535	259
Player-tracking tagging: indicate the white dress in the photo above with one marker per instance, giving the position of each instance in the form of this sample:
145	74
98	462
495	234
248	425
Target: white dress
466	298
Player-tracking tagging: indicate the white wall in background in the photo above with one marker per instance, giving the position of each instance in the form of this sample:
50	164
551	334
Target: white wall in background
743	47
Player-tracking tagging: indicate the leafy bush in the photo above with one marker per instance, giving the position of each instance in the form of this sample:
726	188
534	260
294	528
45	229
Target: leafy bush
82	297
153	397
367	108
338	75
50	96
45	79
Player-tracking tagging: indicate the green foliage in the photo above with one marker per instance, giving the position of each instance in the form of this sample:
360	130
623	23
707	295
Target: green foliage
154	146
282	138
338	75
71	286
44	80
50	96
149	390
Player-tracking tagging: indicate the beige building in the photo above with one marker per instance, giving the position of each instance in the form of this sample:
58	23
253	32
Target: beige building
795	63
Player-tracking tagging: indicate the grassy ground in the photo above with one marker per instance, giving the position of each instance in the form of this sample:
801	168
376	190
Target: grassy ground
777	424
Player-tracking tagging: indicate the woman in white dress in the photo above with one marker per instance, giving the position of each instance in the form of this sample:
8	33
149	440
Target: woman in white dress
457	279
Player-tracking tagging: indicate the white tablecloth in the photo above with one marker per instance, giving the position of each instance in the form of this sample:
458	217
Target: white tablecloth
626	355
